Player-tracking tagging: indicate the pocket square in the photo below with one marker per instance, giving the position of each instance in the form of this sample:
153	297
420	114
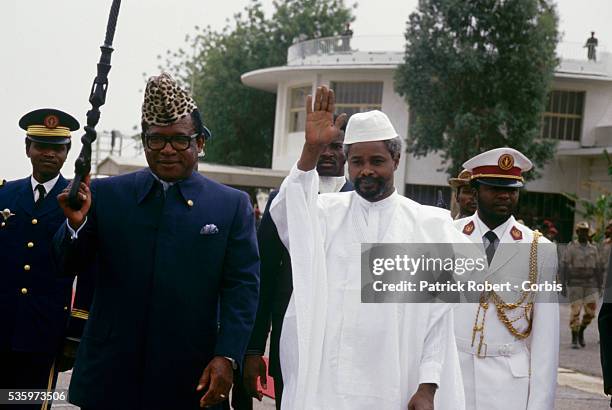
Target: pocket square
209	229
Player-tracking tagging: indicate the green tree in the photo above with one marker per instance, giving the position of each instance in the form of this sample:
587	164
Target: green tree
476	75
242	118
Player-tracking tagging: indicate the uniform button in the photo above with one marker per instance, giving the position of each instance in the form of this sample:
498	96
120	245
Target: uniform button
26	267
34	221
24	291
65	308
3	224
30	244
190	202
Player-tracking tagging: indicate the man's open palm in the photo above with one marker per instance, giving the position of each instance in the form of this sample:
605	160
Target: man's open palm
320	127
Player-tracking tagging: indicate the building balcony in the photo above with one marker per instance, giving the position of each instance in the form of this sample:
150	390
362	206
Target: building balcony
389	50
351	50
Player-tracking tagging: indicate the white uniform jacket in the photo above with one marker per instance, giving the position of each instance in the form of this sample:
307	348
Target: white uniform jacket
513	374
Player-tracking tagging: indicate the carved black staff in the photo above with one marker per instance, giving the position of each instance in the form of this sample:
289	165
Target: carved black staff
97	98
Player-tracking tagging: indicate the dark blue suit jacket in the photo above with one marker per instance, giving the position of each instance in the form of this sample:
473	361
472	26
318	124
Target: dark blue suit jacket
276	288
170	294
34	303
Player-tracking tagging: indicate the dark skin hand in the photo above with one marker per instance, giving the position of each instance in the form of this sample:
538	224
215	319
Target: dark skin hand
255	369
321	129
76	218
423	399
216	381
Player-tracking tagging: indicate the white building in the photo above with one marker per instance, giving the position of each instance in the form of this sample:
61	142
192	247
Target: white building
361	70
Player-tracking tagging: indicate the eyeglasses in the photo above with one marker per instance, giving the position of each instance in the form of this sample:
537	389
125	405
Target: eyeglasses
178	142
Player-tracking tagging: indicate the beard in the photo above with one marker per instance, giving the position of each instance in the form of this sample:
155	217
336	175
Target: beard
378	187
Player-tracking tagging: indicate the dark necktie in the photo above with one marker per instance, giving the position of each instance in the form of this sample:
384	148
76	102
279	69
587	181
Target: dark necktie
490	251
41	194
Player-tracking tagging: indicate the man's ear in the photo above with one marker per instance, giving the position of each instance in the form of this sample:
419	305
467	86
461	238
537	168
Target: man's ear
201	143
396	162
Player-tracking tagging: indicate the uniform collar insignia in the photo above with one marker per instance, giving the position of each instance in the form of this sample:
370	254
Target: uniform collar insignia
469	228
6	214
516	233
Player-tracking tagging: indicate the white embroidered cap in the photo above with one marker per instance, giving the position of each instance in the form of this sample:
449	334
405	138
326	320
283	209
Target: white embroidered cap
369	126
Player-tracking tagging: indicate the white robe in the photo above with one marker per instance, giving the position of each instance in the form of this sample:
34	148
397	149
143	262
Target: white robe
336	352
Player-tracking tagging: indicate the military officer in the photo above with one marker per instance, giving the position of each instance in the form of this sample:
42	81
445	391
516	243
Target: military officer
464	195
581	272
34	301
507	343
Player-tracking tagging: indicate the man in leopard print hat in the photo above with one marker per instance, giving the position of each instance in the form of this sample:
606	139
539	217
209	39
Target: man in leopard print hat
179	271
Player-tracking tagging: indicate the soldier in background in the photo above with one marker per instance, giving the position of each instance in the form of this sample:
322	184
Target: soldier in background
591	46
464	195
581	273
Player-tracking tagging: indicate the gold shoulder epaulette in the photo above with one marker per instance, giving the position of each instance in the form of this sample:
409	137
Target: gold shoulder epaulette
81	314
2	182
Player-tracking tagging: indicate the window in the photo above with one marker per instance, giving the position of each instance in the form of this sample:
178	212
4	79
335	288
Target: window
562	119
428	194
535	207
297	108
353	97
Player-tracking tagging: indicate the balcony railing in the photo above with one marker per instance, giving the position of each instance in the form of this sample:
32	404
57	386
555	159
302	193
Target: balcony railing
577	51
357	49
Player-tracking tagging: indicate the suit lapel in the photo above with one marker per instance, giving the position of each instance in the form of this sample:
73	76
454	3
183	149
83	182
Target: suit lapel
25	200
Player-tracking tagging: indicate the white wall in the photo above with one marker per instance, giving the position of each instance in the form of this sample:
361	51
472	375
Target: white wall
597	102
287	146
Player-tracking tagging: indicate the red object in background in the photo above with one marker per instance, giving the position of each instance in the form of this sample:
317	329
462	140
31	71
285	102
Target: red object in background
270	390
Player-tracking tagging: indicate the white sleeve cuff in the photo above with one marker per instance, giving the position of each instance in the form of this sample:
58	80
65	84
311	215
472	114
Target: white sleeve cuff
429	372
75	234
295	173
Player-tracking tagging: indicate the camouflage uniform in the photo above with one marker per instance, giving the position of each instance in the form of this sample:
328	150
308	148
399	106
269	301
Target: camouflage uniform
582	267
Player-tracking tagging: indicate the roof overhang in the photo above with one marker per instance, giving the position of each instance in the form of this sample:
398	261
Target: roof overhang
583	152
224	174
267	79
579	76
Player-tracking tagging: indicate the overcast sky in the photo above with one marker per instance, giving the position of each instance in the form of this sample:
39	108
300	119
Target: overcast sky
50	50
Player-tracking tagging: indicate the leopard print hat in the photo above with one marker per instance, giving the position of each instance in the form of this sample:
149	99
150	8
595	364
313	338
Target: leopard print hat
165	102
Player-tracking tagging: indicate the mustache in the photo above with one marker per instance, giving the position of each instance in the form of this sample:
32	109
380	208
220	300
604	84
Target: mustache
368	180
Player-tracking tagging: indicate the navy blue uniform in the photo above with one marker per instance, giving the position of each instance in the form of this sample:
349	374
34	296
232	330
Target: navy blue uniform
177	285
34	301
